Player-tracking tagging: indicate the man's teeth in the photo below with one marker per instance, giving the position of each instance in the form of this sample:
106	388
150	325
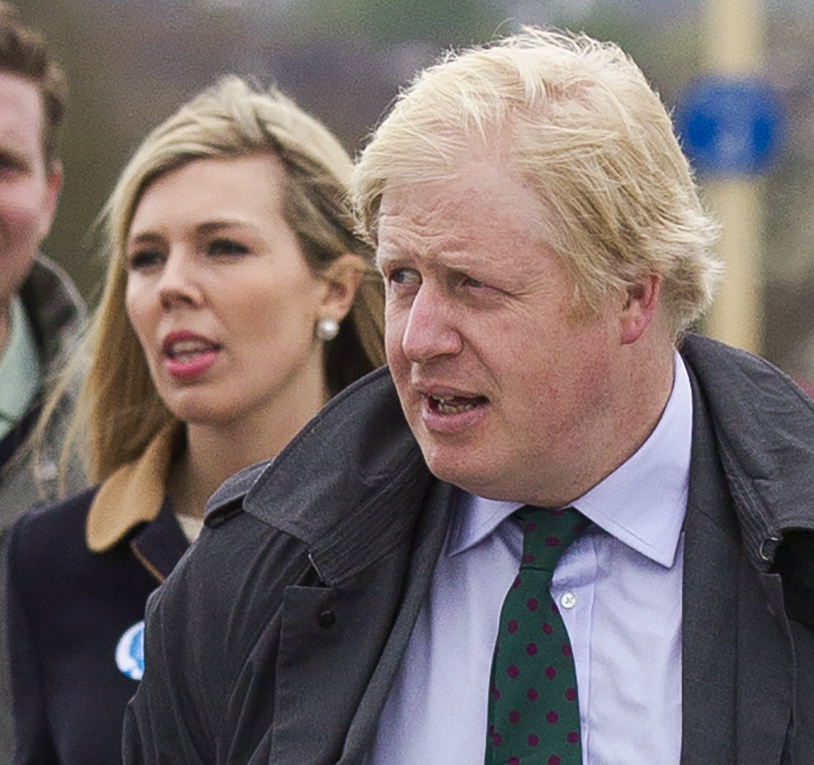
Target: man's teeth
453	404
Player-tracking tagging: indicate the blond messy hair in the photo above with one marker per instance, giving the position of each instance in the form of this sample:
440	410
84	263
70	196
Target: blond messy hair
579	122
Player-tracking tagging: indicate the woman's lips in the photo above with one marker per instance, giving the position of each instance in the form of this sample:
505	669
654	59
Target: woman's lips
187	356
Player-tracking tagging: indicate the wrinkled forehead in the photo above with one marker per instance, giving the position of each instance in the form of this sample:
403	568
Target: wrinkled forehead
478	169
483	211
438	159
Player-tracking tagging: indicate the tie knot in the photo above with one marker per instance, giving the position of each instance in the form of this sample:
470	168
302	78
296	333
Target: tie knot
547	534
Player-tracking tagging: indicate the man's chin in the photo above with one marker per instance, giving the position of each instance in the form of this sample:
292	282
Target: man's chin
468	474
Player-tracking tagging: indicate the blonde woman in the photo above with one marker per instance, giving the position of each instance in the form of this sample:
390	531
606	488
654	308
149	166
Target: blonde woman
237	302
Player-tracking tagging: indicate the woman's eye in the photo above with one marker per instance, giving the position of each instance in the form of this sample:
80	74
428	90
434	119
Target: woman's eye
143	259
226	247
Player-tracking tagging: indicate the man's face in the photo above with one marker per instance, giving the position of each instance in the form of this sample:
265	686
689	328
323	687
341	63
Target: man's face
28	189
508	396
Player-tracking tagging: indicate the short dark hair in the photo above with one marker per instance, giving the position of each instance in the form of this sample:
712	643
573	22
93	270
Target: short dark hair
24	51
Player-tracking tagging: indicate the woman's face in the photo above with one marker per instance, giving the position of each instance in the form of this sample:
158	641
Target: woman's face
220	296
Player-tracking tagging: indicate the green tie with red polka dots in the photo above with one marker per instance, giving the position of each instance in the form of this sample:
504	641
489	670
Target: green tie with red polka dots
533	709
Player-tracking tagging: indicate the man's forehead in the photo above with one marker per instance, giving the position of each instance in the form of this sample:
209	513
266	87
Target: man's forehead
22	117
422	218
481	189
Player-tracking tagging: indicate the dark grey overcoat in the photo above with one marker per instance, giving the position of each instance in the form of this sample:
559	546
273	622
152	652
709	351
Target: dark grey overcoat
277	638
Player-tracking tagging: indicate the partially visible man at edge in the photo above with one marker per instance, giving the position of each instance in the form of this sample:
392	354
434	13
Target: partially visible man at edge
41	312
545	252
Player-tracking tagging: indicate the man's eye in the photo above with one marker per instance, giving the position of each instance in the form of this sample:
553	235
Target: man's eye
227	247
403	276
10	164
143	259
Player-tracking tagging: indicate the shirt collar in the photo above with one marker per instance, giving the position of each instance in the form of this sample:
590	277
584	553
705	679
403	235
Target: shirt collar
20	368
134	494
642	503
475	518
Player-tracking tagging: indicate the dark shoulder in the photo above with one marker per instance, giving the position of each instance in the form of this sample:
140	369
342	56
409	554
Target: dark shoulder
227	561
53	523
235	577
227	500
45	547
739	376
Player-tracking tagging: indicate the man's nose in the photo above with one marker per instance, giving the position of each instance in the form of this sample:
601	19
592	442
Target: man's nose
430	331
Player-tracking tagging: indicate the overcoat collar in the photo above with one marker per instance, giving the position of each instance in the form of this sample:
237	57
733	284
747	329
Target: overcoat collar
764	426
763	422
737	654
352	502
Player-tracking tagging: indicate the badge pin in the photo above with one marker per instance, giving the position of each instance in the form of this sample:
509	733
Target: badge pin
130	652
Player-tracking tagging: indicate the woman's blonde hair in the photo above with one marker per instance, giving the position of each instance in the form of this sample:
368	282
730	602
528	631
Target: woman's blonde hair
579	122
119	411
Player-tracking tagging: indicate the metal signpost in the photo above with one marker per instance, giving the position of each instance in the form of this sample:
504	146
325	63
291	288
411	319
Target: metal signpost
731	125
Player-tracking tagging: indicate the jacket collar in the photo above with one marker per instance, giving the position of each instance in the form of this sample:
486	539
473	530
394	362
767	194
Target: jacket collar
160	544
371	466
364	498
134	494
56	310
764	428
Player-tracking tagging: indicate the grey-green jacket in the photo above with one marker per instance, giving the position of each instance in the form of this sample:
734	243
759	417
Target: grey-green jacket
57	314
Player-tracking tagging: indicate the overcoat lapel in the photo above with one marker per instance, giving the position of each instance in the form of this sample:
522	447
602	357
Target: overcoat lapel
736	663
329	632
710	604
428	544
341	630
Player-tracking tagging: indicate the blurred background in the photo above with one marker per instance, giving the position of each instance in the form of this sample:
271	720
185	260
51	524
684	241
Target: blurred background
131	63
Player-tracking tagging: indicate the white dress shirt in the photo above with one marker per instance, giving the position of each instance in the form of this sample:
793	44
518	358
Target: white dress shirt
619	589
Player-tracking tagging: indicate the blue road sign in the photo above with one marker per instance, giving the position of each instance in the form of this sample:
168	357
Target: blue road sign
730	127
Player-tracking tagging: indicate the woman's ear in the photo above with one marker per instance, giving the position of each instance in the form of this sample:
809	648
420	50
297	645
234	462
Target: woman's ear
341	280
640	306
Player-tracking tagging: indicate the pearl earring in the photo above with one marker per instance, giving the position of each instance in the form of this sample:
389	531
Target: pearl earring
327	329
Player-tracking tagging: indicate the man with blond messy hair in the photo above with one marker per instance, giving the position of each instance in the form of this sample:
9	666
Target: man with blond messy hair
559	528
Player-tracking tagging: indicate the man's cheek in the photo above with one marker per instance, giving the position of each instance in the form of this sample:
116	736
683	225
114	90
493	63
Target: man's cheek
393	337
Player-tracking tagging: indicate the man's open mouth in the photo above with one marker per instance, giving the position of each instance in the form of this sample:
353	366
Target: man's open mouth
454	404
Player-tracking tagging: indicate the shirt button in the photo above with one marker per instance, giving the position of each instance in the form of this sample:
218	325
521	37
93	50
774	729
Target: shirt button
568	600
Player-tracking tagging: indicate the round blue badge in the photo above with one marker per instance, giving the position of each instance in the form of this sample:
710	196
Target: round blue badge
130	652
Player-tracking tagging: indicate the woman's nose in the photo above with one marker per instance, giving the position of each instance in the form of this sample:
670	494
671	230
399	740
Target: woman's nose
179	284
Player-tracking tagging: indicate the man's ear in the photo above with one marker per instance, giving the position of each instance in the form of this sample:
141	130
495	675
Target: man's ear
54	186
341	282
642	297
